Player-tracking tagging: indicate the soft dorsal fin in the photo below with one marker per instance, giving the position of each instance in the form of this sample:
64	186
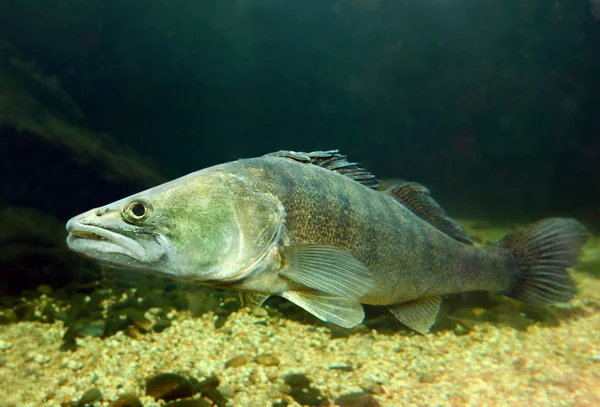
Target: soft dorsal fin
333	161
418	199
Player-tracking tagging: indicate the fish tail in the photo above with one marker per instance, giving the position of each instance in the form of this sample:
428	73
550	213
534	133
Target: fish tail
543	252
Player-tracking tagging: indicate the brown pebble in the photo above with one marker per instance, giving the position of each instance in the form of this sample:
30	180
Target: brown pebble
169	386
132	332
267	360
126	400
259	312
357	400
237	361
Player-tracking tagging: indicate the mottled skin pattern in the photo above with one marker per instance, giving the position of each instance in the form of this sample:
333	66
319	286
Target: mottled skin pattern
409	258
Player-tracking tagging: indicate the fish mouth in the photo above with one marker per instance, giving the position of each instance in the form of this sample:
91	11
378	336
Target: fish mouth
88	235
102	244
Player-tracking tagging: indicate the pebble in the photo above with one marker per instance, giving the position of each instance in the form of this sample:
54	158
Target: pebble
138	319
126	400
188	403
5	345
237	361
267	360
169	386
356	400
161	325
297	381
90	396
260	312
41	359
74	365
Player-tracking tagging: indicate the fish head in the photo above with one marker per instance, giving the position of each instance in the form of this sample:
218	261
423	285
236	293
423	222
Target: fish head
205	227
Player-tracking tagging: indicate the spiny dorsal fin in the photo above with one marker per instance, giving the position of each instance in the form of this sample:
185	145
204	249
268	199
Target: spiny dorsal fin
418	199
333	161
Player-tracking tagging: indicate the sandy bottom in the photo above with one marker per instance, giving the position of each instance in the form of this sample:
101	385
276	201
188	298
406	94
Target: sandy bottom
493	365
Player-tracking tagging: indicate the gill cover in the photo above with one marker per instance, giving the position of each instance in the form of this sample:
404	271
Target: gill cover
219	227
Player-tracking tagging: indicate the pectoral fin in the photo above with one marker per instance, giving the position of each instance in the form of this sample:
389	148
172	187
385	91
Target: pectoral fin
327	269
252	300
417	314
343	311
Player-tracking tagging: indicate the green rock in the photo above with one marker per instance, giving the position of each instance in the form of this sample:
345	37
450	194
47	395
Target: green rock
90	328
169	386
137	318
115	323
297	381
161	325
92	395
25	311
307	397
126	400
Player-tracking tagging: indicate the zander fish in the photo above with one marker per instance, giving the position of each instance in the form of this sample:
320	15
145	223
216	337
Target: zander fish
314	229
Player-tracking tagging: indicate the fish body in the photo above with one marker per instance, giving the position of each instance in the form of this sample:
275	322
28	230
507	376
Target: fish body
313	228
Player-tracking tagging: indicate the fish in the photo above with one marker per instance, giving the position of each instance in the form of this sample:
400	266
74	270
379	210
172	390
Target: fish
315	229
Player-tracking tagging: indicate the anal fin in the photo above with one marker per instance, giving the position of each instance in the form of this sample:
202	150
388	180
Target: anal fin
343	311
417	314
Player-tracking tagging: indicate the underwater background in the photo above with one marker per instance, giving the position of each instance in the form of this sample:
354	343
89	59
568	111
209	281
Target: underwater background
494	106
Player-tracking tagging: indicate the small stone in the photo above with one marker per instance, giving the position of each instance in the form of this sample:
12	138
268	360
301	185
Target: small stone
267	360
297	381
133	332
90	328
356	400
8	316
343	368
308	397
74	365
188	403
5	345
161	325
25	312
169	386
215	395
260	312
237	361
207	383
138	319
126	400
41	359
92	395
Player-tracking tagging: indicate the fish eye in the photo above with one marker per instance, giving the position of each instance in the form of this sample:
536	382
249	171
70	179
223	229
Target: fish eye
137	211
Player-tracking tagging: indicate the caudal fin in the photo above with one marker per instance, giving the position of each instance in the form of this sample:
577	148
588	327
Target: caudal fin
543	252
